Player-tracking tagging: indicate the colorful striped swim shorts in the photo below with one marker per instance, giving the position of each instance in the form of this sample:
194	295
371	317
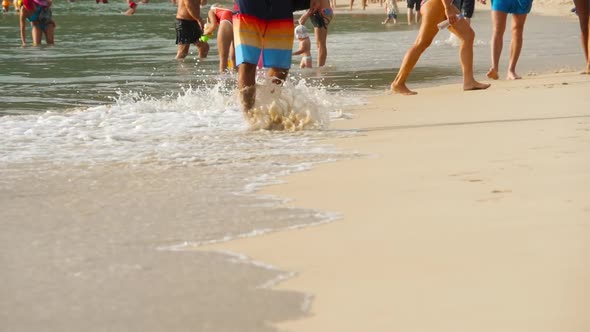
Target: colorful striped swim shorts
264	27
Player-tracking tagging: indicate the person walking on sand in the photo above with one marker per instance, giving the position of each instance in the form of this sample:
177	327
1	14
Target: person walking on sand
583	11
189	28
263	28
320	18
433	13
500	10
221	17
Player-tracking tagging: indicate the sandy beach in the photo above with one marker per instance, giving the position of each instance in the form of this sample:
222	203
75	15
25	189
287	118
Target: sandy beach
470	212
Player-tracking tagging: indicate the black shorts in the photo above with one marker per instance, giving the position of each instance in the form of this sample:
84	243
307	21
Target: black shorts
465	7
187	31
413	4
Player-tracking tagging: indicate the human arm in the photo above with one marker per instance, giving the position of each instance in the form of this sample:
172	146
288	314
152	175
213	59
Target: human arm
212	23
300	50
23	26
449	12
304	17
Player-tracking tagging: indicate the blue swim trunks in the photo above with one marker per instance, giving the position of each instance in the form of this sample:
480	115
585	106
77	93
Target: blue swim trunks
264	27
512	6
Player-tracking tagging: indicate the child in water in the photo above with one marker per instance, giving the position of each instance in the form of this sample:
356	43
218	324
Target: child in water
391	9
38	12
304	46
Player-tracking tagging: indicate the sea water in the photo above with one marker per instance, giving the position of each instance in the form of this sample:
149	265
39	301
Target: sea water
117	161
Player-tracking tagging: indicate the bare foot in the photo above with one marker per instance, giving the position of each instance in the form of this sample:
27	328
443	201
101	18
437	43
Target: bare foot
402	89
587	71
476	86
513	76
493	74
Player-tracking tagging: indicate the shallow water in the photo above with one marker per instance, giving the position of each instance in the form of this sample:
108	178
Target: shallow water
116	162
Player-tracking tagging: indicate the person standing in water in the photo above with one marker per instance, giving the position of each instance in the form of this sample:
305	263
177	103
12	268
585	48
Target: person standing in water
38	12
189	28
221	17
263	28
583	11
433	13
320	18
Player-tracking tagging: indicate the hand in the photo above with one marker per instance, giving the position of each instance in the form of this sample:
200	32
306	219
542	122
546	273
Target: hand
451	16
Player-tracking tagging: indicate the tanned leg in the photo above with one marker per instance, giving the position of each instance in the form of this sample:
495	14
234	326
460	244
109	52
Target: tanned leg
463	31
182	51
49	34
499	26
225	36
433	14
37	34
321	35
247	85
583	10
516	44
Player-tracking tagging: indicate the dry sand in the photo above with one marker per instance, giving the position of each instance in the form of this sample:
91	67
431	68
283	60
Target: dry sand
471	213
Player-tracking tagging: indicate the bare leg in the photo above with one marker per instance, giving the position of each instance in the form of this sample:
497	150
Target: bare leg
321	35
225	36
463	31
279	75
433	14
49	34
351	3
410	15
37	34
247	85
516	44
499	26
583	10
182	51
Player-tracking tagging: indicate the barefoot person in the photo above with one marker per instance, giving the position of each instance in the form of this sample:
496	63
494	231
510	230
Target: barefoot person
189	28
320	18
38	12
500	10
583	11
263	28
434	12
221	17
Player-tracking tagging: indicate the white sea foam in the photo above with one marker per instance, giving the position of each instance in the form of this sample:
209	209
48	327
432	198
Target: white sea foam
200	125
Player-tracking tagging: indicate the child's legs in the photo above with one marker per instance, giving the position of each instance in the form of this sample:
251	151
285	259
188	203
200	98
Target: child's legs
182	51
